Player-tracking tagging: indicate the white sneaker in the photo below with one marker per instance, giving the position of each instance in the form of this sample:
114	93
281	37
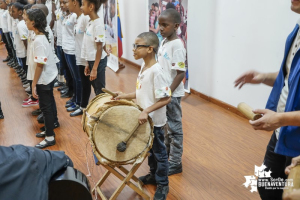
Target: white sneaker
27	89
26	85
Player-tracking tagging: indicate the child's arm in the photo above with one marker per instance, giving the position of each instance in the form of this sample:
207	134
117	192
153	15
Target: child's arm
125	96
37	74
93	74
177	80
143	118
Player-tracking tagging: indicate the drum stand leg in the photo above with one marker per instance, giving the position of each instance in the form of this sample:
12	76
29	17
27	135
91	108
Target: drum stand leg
125	181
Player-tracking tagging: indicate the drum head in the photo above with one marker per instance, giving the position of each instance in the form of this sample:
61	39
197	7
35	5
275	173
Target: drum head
92	108
113	127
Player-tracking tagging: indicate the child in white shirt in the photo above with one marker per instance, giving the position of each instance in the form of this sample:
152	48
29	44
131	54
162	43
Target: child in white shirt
45	73
152	94
93	44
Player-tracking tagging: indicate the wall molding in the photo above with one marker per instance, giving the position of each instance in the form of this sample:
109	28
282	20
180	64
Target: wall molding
199	94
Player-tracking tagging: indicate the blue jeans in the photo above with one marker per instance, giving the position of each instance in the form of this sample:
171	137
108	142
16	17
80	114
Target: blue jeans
99	82
174	136
71	61
277	164
158	159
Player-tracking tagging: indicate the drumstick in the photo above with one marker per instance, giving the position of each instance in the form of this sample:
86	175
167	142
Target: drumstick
121	147
109	92
247	111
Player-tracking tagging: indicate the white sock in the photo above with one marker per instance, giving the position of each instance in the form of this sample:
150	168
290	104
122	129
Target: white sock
49	138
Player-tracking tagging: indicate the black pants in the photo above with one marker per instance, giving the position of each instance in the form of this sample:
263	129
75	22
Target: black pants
30	92
86	87
277	164
25	67
47	106
5	42
64	67
99	82
11	51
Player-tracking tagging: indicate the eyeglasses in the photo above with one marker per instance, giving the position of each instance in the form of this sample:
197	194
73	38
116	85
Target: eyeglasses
135	46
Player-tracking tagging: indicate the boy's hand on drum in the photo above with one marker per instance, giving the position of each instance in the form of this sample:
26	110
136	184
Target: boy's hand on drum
295	161
143	118
119	96
87	71
270	120
252	77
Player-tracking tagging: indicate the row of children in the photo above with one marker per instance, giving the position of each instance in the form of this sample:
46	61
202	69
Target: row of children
159	85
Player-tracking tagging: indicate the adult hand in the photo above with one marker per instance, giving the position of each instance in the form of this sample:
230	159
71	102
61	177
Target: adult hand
295	162
93	75
269	122
143	118
252	77
87	71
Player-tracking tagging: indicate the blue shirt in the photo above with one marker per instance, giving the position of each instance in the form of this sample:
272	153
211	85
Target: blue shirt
288	143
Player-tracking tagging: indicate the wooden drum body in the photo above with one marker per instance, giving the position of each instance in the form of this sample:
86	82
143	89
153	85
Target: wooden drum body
111	124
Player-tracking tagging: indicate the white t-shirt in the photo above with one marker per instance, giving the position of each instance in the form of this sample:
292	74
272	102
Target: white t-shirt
285	90
95	32
51	38
172	56
1	13
49	16
9	22
4	21
151	86
79	27
68	37
59	19
29	59
43	54
14	29
21	33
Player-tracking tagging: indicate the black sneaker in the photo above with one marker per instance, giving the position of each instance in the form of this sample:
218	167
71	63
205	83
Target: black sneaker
70	100
1	115
148	179
6	59
175	169
56	125
48	144
62	88
36	112
161	192
76	112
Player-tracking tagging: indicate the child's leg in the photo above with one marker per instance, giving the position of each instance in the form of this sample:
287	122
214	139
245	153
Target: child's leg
68	75
10	46
159	154
6	45
99	82
86	87
175	133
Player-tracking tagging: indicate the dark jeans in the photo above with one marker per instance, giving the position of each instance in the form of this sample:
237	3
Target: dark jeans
11	52
99	82
61	70
277	164
47	106
86	87
5	42
64	67
158	159
71	60
25	67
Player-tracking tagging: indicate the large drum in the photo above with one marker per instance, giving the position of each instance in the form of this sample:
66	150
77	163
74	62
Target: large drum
112	123
92	108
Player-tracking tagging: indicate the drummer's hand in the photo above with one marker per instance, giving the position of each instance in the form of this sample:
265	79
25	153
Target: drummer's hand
119	96
295	161
270	120
252	77
143	118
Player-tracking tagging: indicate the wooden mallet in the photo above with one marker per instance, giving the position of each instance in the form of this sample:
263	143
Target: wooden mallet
121	147
246	110
109	92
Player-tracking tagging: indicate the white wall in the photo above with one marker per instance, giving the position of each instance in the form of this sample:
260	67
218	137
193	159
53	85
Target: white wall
225	39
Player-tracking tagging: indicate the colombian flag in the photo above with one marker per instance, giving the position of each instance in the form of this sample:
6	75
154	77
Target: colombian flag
120	35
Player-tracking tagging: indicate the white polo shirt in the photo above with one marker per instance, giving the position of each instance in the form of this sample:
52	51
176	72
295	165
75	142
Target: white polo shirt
79	27
59	19
4	21
21	33
95	32
151	86
43	54
172	57
68	36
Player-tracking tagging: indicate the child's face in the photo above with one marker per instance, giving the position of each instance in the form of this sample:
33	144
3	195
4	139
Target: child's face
24	15
85	7
140	51
15	12
3	4
61	4
65	5
166	26
31	1
29	24
70	5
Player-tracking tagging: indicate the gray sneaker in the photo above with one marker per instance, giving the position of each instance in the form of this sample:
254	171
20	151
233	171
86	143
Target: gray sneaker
161	192
148	179
175	169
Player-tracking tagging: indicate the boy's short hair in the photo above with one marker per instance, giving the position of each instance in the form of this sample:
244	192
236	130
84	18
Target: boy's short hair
173	14
151	39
